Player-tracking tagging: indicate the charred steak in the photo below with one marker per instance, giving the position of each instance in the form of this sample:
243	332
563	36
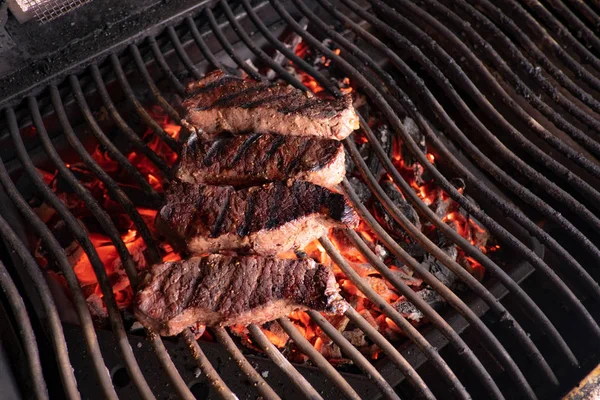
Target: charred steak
267	219
260	158
221	102
223	290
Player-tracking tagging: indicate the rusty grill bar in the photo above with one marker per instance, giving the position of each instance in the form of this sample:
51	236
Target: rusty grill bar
469	69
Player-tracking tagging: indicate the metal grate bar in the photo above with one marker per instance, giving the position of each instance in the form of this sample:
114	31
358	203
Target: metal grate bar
148	120
304	66
370	90
227	47
112	150
157	96
82	237
428	245
182	54
483	293
122	125
354	354
317	358
52	246
297	379
497	230
517	57
32	353
283	74
206	52
253	377
164	67
558	29
51	320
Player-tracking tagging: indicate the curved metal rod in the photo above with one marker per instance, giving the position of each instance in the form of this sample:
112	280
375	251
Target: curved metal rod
495	306
370	90
204	49
80	234
257	50
23	323
50	320
563	34
253	377
133	138
399	320
115	192
296	377
112	150
301	63
181	53
164	66
156	95
469	280
585	11
543	37
110	229
500	149
512	52
494	13
352	352
384	344
227	47
52	246
146	118
496	229
207	369
128	265
583	32
317	358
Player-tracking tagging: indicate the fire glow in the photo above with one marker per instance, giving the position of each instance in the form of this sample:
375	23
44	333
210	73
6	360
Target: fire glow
430	194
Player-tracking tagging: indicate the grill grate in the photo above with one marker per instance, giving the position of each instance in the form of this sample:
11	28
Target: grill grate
516	98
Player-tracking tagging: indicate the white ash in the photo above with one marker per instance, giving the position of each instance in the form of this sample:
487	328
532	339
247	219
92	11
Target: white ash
265	374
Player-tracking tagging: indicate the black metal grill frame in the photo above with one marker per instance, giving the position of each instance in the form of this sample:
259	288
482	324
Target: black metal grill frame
404	39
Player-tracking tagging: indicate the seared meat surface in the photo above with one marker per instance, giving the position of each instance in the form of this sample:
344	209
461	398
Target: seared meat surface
223	290
260	158
220	102
266	220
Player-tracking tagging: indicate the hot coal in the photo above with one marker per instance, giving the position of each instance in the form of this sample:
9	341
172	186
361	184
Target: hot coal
413	130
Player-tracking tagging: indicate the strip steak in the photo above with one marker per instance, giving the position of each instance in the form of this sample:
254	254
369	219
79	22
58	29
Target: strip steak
259	158
221	102
266	220
222	290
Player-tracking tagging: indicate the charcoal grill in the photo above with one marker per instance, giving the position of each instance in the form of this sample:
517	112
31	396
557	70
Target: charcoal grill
505	93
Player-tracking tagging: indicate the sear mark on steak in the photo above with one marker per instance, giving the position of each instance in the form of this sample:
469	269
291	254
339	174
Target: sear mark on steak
260	158
222	103
223	290
266	220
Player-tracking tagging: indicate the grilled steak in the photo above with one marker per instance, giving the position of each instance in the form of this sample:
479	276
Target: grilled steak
267	219
260	158
220	102
223	290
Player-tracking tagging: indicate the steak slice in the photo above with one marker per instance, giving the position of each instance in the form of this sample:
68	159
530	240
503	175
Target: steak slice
267	219
259	158
223	290
221	102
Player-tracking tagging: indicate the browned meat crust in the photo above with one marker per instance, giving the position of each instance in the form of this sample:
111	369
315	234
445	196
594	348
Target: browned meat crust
259	158
267	219
220	102
223	290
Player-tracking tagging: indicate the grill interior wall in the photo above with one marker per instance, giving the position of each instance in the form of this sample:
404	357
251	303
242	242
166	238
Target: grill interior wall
563	197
